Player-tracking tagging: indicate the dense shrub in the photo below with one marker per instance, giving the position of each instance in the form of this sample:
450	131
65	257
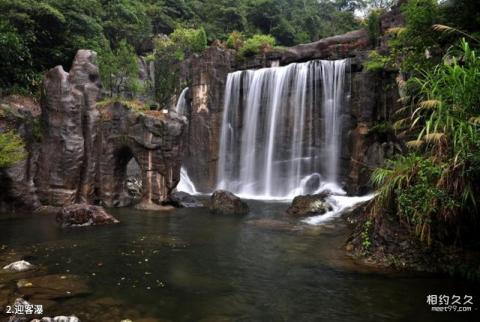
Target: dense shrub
257	44
188	41
235	40
435	190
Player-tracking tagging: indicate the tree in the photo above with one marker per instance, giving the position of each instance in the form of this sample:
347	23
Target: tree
126	20
119	69
15	63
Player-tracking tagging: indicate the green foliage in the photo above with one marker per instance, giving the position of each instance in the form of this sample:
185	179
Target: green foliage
365	235
119	69
417	46
376	62
36	35
435	190
381	129
257	44
373	26
167	57
134	105
15	63
11	149
126	20
169	52
188	41
235	40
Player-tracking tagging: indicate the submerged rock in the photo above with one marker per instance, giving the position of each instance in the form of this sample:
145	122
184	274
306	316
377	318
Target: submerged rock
81	215
19	266
309	205
272	224
182	199
54	286
226	203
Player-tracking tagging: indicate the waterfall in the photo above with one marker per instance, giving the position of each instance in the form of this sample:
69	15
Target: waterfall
281	127
181	107
185	184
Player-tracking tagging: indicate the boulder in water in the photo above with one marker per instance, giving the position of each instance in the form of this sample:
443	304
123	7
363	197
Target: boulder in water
81	215
182	199
19	266
309	205
226	203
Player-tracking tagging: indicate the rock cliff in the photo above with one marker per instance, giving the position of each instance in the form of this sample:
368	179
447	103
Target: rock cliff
82	150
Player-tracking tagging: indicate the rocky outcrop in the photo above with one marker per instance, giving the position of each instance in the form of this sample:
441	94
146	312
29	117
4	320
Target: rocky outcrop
374	100
67	163
309	205
205	75
226	203
155	141
182	199
82	215
336	47
80	152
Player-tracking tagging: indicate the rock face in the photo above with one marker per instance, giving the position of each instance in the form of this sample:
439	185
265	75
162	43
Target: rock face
336	47
153	140
182	199
309	205
67	163
226	203
373	103
84	151
82	215
205	75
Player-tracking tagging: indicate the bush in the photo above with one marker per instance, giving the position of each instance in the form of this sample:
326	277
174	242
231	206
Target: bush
12	149
435	190
417	46
188	41
257	44
235	40
376	62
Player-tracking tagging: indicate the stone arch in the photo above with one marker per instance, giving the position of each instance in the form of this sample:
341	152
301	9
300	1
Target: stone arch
127	177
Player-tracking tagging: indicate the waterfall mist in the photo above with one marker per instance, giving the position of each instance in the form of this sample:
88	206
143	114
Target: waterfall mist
281	129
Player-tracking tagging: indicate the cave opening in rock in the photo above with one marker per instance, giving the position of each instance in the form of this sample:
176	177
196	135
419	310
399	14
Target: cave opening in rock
128	177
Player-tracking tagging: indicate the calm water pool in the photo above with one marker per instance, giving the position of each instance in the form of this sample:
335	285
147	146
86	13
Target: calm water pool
189	265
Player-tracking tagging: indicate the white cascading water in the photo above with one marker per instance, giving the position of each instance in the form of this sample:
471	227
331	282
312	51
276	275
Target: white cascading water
181	107
185	184
281	130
